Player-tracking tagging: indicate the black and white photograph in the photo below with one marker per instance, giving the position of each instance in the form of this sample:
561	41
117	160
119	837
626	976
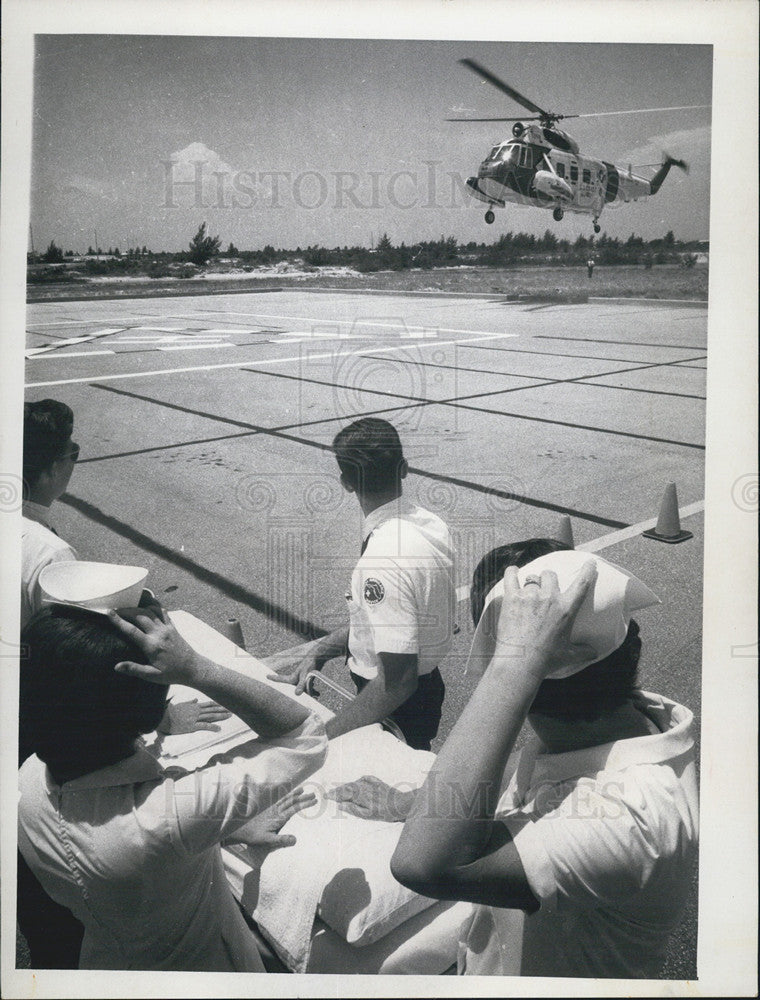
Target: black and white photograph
379	493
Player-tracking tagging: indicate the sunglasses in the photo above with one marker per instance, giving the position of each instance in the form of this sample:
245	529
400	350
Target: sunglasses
73	454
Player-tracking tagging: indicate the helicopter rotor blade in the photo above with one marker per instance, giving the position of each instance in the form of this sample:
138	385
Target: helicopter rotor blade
639	111
504	88
533	118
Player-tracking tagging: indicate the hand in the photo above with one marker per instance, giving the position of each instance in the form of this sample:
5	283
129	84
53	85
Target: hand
192	717
535	621
292	666
371	798
263	830
170	659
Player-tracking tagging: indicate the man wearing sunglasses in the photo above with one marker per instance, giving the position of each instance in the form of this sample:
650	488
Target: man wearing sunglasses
49	459
52	934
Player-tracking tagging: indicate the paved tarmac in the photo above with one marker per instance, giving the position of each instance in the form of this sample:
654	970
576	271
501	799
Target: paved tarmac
205	425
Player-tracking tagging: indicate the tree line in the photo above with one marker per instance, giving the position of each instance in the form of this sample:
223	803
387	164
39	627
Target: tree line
509	249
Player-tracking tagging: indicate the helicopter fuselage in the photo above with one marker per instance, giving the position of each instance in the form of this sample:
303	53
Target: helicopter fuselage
543	167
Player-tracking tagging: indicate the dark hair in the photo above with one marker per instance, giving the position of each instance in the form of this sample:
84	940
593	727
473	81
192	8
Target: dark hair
491	567
75	711
598	688
369	455
47	428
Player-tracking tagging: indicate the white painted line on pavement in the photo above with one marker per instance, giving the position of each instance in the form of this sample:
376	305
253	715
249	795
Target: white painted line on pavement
34	352
178	339
249	361
302	337
87	322
227	330
605	541
319	321
178	331
66	354
193	347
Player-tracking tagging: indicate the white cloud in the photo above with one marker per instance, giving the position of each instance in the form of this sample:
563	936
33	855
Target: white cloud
90	187
197	153
221	182
692	145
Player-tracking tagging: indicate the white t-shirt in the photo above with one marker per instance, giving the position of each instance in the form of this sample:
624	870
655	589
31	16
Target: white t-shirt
608	840
403	594
40	546
133	851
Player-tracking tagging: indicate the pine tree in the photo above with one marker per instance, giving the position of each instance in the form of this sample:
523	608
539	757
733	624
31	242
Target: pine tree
203	247
53	254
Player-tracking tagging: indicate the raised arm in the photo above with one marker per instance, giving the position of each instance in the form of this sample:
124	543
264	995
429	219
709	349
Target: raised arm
172	661
451	846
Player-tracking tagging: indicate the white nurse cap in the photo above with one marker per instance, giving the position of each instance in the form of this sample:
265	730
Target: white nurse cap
602	620
99	587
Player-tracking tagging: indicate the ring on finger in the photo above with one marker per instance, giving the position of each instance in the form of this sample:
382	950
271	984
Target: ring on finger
532	579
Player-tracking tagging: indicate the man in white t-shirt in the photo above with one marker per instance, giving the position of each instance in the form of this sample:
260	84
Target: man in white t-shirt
581	868
401	602
49	459
52	934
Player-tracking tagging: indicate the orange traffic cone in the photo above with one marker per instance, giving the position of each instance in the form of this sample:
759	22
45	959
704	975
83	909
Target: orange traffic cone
232	631
564	532
668	527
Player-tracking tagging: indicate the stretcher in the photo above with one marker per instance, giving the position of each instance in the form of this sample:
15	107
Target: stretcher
329	904
315	677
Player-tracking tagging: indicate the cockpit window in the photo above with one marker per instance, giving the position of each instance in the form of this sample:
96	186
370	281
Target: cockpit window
526	156
506	153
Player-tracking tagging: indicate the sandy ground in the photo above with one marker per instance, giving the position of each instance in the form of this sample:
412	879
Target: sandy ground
562	283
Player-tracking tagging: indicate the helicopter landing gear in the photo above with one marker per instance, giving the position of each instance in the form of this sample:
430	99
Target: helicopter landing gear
597	228
558	215
490	217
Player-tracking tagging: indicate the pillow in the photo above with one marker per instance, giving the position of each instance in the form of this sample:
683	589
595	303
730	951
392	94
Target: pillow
426	945
339	867
363	902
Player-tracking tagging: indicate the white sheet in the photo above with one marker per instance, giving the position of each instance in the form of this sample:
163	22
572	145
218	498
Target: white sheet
282	890
335	849
425	945
192	750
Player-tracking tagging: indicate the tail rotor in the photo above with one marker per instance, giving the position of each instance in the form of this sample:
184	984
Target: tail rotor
673	162
669	161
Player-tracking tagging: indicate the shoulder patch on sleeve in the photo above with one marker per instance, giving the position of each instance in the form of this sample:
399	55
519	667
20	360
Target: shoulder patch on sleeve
374	591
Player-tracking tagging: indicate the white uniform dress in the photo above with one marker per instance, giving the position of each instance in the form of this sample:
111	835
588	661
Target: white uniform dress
133	851
608	840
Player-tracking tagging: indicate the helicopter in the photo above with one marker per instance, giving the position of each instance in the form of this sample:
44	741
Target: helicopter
541	164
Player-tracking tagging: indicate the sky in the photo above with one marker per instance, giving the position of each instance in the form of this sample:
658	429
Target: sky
300	141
